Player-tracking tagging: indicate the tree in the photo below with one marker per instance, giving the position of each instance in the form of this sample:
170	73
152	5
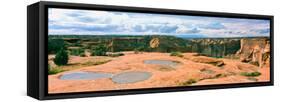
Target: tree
54	45
61	57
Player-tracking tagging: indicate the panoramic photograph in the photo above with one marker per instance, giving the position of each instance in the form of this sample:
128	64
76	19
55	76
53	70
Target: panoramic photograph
91	50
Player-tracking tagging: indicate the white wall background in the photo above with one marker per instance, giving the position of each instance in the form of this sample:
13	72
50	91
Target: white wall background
13	51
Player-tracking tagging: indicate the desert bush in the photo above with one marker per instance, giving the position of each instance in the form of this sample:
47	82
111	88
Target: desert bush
178	54
100	50
53	70
61	57
250	74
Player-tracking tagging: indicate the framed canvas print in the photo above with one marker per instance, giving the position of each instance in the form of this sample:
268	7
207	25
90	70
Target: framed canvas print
83	50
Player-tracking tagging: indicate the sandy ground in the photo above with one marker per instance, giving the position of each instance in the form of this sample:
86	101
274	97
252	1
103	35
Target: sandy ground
186	70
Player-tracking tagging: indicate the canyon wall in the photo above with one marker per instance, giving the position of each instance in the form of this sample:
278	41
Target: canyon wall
255	51
219	47
249	50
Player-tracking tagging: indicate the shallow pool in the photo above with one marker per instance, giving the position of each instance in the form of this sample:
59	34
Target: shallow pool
131	77
169	63
85	76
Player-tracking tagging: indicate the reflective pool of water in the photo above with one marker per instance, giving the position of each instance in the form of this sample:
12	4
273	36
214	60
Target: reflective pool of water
168	63
85	76
131	77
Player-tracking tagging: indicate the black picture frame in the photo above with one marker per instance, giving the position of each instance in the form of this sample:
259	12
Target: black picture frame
37	32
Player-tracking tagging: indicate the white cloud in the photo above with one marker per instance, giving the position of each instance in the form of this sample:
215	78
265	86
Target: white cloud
68	21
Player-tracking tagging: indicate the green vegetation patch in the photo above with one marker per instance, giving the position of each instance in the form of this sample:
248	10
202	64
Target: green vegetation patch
77	52
250	74
61	57
90	63
178	54
100	50
54	70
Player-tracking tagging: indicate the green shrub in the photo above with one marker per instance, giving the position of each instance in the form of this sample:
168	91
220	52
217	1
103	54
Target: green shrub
61	57
99	51
251	74
139	49
178	54
54	70
77	52
136	51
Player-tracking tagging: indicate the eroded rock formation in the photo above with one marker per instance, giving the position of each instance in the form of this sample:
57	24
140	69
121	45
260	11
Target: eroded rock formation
215	47
208	60
255	51
154	42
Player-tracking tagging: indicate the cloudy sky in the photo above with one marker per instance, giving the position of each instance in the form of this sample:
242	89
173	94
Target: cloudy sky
89	22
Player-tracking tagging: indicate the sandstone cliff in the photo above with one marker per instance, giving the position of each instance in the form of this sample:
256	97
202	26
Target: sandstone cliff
219	47
255	51
154	42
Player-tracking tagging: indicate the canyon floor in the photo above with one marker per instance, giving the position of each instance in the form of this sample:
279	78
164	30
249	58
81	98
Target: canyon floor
191	70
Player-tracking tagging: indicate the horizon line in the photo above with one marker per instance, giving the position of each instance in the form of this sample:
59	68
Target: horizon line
177	35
